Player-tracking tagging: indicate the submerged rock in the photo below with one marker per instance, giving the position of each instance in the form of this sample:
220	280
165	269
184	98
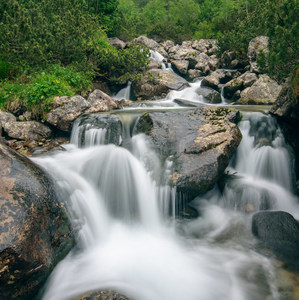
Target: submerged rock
35	231
199	141
279	232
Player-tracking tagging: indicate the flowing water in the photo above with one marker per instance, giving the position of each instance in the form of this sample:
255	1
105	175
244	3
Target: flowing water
129	239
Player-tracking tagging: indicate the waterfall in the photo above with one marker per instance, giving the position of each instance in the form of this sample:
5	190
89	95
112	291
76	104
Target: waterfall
125	93
263	167
156	56
120	200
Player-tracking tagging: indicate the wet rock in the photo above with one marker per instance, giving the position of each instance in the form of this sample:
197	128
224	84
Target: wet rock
210	95
264	91
200	141
35	232
257	45
110	122
212	82
27	130
66	110
104	295
117	43
279	232
156	82
100	102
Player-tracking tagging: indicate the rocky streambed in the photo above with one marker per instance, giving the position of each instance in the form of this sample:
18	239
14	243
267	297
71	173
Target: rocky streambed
198	143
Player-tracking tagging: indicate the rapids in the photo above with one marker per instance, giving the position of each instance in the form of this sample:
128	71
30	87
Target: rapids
129	239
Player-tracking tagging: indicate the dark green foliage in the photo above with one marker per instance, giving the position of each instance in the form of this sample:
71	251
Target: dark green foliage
277	19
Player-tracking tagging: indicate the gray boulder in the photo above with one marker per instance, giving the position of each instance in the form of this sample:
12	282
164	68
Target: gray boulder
264	91
168	44
181	66
27	130
117	43
279	232
6	117
151	44
245	80
100	102
257	45
210	95
35	231
199	141
192	73
66	110
157	82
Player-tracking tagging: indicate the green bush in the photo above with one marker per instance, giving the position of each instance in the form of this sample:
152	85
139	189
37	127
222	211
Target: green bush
36	92
45	86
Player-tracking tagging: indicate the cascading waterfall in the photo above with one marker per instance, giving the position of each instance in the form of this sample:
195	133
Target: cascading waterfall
119	200
262	167
156	56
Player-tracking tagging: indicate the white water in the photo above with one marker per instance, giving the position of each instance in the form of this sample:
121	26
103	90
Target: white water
156	56
124	93
119	200
263	165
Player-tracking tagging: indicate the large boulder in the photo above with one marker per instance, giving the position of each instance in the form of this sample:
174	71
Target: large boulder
256	46
205	45
99	102
6	117
218	77
181	66
199	141
35	232
157	82
151	44
264	91
237	84
66	110
27	130
279	232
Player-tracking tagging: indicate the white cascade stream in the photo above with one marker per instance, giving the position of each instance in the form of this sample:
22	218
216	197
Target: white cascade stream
124	93
120	200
